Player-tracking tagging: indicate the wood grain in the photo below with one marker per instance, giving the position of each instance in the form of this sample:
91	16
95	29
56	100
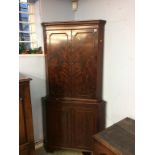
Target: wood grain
119	139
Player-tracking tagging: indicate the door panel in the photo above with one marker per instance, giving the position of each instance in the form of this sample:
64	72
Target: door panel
58	121
59	71
84	68
85	125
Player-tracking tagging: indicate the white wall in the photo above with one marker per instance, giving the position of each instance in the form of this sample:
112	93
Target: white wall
34	66
118	51
56	10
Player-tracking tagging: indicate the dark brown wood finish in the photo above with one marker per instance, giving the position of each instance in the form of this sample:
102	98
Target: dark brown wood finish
118	139
74	63
26	139
59	63
58	133
84	63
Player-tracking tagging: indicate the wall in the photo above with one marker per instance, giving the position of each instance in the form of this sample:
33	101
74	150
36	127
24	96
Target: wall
118	51
34	66
56	10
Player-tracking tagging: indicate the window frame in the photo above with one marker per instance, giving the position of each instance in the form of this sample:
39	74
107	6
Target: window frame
32	39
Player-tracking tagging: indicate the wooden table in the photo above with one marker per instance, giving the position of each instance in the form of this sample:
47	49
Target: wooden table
119	139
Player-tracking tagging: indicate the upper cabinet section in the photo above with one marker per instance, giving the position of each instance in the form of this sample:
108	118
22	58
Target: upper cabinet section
74	53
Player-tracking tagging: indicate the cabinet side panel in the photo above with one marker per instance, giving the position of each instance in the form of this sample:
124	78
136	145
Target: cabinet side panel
26	138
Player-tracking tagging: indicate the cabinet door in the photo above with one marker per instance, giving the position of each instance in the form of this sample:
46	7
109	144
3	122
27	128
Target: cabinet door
84	57
58	126
85	126
58	62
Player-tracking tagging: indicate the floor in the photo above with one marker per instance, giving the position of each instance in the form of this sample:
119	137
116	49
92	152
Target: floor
41	151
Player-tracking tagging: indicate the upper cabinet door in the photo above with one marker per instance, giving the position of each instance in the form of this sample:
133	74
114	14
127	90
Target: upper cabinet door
58	58
84	60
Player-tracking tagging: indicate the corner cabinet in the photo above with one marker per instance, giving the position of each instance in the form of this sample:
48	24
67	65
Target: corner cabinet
26	138
73	109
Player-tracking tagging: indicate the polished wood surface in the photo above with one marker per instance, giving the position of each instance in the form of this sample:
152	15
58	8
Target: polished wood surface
118	139
74	53
72	63
65	121
26	139
74	66
84	60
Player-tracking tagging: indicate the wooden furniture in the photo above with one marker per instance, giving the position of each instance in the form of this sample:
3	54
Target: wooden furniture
73	108
118	139
26	140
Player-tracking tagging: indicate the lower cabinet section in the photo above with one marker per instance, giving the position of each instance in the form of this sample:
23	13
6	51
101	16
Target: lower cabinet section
70	124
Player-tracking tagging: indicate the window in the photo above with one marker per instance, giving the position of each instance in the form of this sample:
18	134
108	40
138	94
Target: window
27	28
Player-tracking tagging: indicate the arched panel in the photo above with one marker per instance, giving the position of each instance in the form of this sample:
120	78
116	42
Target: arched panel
84	68
59	63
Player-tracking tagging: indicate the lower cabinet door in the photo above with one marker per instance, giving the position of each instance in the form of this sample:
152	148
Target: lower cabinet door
85	126
58	123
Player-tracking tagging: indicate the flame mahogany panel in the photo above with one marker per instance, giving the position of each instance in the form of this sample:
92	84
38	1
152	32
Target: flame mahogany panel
59	71
84	68
73	61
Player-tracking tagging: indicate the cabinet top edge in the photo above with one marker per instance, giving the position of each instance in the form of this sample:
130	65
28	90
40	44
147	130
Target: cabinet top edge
74	22
23	78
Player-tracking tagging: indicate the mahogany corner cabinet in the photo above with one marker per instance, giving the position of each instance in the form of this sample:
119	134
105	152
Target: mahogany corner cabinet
73	108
